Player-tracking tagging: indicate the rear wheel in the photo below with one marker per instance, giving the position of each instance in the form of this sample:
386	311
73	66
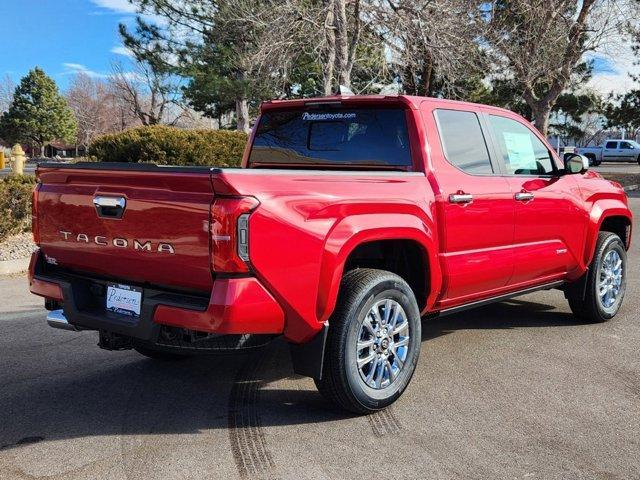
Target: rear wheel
638	159
373	342
605	281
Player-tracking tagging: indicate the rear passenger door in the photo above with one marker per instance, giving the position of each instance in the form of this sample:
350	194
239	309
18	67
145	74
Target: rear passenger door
610	152
475	205
627	152
549	217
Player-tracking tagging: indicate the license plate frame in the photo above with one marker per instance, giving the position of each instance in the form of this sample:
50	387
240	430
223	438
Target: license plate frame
124	300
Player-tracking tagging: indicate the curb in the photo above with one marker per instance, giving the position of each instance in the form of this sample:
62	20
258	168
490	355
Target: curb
7	267
630	188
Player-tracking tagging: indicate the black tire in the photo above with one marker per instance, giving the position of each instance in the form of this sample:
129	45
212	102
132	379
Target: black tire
159	354
591	307
638	159
342	383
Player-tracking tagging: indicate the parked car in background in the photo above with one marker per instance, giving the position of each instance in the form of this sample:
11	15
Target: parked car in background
351	219
612	151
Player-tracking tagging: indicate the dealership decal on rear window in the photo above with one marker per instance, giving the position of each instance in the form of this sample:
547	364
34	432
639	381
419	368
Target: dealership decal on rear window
327	116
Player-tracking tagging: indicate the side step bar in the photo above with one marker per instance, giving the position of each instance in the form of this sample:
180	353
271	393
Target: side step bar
500	298
56	319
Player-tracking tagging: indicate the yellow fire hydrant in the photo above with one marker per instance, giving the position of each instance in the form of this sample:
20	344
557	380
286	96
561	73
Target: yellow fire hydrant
2	165
17	159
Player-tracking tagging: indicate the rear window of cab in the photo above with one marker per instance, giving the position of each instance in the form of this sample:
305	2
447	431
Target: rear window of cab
332	137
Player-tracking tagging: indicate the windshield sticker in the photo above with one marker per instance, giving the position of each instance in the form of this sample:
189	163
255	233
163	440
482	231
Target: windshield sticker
306	116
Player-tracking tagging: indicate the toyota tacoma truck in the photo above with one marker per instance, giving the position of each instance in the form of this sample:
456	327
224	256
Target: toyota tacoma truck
351	219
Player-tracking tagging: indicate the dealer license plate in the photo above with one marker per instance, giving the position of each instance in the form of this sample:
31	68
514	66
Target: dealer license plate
124	300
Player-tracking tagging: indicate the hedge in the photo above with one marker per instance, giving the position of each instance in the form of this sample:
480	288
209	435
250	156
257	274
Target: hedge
15	204
169	145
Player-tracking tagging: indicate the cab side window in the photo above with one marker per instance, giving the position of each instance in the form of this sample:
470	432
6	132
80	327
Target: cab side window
463	142
626	146
611	145
523	153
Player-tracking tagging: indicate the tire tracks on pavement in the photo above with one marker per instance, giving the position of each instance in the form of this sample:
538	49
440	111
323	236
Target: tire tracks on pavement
248	441
385	422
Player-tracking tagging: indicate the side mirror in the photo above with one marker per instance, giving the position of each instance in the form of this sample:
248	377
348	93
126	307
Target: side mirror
574	163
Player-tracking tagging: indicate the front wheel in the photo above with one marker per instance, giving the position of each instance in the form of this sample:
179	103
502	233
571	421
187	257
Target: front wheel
606	281
373	343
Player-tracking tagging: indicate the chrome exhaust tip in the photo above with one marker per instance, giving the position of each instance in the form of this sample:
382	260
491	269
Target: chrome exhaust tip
56	319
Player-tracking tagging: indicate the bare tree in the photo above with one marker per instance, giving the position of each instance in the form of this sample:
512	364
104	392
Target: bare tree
539	43
429	43
97	108
148	93
346	27
328	31
432	43
7	87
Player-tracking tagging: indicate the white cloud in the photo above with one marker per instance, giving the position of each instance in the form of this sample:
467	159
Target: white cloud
74	68
118	6
616	79
122	50
125	7
607	83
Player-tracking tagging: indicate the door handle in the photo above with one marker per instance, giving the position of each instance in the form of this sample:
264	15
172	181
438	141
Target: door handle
460	198
524	196
118	202
110	207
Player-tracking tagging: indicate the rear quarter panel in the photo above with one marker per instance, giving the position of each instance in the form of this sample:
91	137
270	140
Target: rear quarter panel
308	223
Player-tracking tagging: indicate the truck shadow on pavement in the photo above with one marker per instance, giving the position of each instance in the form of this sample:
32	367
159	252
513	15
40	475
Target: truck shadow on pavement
66	388
512	313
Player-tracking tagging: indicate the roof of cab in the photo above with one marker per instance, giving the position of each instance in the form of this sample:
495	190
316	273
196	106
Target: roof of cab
409	101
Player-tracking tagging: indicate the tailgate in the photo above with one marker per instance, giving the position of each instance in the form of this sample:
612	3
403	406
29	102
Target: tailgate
138	225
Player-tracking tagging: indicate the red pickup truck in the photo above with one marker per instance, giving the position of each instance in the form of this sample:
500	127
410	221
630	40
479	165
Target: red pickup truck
351	219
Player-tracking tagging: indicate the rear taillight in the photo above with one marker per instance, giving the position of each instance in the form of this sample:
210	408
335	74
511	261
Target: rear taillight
229	229
34	215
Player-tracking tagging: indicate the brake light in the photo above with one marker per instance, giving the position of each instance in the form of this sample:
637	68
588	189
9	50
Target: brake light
35	230
229	228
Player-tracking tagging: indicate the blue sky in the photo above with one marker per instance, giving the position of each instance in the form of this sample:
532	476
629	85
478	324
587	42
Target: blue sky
67	36
61	36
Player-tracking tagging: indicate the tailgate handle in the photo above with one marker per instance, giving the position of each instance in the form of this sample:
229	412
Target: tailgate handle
110	207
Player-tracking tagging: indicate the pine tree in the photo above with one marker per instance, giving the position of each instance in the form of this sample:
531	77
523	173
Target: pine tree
38	113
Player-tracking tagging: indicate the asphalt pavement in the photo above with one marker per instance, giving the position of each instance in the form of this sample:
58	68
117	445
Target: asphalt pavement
29	169
617	167
519	389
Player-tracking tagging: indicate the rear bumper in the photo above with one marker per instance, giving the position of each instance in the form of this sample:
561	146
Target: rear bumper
235	306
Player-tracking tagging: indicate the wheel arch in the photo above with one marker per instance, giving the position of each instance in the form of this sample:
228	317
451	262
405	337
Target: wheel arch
608	215
349	241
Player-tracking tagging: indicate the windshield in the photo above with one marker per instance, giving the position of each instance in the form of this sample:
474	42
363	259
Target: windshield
335	137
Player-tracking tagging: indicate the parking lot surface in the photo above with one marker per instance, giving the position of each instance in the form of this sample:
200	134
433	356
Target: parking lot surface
622	167
519	389
29	169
